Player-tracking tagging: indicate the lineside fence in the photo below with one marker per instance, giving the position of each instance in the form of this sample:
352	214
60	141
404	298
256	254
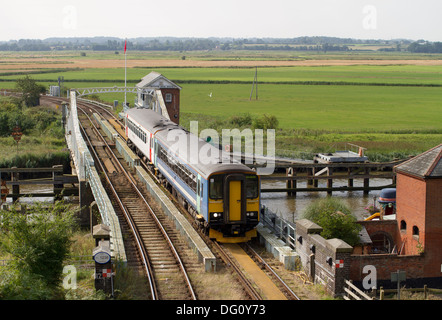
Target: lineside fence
283	229
86	172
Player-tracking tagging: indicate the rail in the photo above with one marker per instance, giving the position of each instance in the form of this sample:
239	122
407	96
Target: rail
248	286
137	234
286	288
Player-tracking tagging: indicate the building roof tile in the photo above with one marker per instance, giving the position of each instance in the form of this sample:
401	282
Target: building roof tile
424	165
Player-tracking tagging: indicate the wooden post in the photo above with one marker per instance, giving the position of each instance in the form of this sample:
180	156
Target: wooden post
315	181
291	184
329	181
350	181
381	293
310	174
85	198
15	188
366	181
57	176
373	293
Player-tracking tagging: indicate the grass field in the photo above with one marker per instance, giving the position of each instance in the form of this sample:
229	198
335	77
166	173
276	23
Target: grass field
356	74
390	103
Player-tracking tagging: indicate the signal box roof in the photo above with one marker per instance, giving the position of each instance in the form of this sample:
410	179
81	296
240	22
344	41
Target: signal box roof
425	165
156	80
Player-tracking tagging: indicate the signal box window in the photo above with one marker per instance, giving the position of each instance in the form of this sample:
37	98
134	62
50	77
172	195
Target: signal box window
169	97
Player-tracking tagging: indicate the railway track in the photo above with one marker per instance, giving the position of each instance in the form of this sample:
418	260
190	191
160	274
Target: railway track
271	272
159	263
165	270
242	278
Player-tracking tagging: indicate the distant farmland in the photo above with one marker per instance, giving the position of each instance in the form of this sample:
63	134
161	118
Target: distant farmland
394	109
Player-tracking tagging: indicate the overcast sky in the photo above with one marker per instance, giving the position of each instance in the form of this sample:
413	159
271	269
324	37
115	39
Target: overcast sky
362	19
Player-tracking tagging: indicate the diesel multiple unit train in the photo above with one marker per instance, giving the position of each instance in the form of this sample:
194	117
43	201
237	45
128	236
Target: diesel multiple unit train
221	194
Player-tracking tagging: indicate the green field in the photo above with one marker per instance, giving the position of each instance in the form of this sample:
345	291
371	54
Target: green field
393	110
357	74
327	108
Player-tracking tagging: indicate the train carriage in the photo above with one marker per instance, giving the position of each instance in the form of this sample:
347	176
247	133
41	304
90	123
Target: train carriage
222	195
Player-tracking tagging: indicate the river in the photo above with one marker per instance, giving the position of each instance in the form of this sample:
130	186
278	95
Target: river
291	208
288	207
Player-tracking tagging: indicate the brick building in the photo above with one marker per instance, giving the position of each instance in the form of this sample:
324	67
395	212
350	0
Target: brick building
414	238
169	94
419	209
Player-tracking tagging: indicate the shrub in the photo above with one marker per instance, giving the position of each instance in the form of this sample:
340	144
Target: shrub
335	219
38	244
266	122
241	120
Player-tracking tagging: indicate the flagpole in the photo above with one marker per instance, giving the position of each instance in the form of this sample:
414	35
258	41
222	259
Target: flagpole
125	73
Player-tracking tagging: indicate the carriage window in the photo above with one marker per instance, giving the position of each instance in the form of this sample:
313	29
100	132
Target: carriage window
216	187
251	186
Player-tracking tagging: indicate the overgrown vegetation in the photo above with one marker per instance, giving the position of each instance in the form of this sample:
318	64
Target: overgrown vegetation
335	219
43	137
30	91
37	244
31	120
305	143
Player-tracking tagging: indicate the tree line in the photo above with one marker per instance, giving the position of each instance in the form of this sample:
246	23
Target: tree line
425	47
194	44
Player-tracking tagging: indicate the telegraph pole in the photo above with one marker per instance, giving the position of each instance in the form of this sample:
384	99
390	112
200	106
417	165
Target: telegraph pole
255	81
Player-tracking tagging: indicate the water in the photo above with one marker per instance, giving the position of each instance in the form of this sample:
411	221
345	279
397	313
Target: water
34	188
287	207
291	208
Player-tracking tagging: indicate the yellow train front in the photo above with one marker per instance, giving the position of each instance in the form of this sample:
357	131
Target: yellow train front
233	206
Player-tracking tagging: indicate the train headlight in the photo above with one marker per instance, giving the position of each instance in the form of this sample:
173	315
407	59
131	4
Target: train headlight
216	216
252	214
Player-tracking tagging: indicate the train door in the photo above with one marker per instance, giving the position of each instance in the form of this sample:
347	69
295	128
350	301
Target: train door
235	202
150	146
198	194
127	127
154	160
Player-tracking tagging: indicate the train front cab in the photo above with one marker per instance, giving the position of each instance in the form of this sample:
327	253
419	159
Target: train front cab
233	207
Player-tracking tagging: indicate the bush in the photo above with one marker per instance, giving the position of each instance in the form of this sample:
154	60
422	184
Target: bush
241	120
266	122
335	219
38	244
30	160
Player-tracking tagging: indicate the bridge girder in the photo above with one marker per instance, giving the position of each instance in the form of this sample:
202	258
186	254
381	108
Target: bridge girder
87	91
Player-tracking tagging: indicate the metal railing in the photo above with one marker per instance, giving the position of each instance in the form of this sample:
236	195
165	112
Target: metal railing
283	229
85	167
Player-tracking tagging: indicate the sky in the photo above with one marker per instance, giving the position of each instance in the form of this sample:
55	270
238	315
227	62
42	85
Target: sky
360	19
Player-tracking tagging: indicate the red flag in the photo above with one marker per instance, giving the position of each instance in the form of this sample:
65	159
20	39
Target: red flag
125	46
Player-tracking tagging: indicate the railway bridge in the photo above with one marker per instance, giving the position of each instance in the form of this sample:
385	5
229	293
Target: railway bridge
92	193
